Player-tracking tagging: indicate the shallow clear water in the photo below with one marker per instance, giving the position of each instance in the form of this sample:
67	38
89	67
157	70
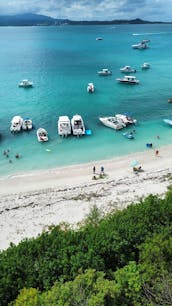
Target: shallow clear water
61	61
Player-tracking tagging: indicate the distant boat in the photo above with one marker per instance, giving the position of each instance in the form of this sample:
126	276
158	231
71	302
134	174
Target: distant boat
145	66
169	100
99	38
27	124
16	124
127	79
26	84
64	126
168	121
77	124
145	41
127	69
104	72
90	87
42	135
140	46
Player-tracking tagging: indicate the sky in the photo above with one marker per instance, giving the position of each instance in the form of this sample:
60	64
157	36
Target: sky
153	10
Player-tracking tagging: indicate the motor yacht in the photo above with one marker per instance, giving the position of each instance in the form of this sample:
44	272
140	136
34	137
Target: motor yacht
140	46
112	122
145	66
16	124
90	87
127	69
64	126
26	84
104	72
77	124
42	135
127	79
99	38
168	121
27	124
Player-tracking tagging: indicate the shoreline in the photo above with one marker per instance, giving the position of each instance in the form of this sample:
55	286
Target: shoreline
30	203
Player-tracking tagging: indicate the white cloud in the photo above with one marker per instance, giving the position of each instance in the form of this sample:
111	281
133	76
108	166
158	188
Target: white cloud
92	9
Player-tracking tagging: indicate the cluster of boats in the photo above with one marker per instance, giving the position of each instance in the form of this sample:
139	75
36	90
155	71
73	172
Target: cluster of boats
118	121
18	124
127	79
74	126
65	127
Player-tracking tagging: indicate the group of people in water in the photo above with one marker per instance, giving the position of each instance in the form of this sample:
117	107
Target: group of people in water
7	154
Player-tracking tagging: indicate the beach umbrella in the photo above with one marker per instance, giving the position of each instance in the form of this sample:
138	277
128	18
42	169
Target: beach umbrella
134	163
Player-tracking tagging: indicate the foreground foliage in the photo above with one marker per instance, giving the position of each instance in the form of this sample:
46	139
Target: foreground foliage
118	260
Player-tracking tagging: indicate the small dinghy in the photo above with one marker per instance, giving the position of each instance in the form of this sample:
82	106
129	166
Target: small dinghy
42	135
128	135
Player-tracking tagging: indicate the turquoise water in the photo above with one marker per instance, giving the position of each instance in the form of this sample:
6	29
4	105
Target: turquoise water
61	61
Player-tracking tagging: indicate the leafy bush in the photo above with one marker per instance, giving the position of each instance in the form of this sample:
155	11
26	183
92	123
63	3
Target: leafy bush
106	245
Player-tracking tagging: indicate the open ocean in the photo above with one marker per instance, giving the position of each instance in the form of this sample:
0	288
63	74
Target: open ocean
61	61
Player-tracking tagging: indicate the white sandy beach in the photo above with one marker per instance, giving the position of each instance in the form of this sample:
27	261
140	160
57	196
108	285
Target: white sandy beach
30	203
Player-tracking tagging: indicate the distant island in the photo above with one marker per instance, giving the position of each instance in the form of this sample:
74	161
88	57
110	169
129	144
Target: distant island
41	20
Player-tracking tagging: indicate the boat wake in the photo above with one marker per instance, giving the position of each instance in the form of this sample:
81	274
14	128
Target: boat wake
149	33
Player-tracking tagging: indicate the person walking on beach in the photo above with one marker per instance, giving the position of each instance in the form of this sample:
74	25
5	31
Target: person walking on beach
102	170
94	170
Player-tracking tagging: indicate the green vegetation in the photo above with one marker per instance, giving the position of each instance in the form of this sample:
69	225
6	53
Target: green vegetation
122	259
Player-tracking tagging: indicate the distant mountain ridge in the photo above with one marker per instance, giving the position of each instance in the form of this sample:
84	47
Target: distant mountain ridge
41	20
27	20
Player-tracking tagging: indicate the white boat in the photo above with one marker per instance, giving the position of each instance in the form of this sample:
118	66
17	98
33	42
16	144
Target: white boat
16	124
64	126
145	66
127	120
90	87
77	124
27	124
112	122
128	79
25	83
99	38
127	69
42	135
168	121
104	72
140	46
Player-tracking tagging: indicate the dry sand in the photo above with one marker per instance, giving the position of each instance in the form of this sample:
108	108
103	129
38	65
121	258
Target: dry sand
30	203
